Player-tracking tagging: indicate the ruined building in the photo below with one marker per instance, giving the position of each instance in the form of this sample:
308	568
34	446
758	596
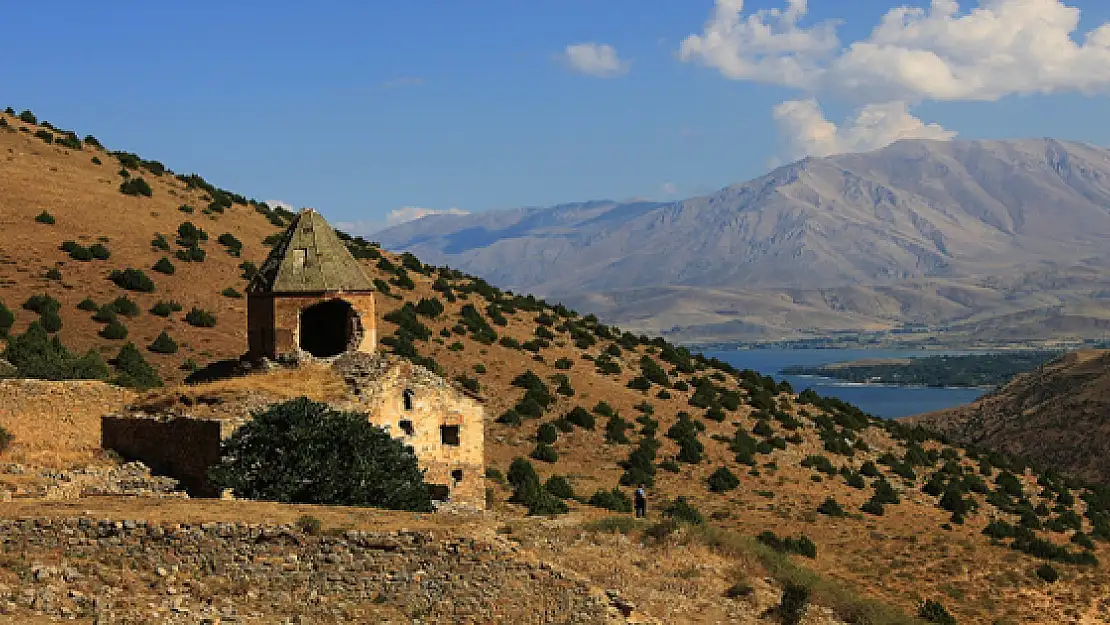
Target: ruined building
312	297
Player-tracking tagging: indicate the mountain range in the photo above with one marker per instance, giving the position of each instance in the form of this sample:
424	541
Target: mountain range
987	239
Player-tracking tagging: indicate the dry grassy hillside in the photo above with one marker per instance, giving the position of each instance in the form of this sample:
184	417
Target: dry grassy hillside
803	466
1055	416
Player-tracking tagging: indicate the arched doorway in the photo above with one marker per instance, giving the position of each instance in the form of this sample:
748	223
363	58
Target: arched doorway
329	328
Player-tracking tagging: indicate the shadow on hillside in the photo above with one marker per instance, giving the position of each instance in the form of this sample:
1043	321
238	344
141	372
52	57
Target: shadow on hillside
218	370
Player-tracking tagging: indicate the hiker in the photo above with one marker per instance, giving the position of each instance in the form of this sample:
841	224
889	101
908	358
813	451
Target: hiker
641	503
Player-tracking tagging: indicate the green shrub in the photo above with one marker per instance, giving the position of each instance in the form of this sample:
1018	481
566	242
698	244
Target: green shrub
159	242
615	430
187	209
279	456
232	293
45	135
801	545
132	280
559	486
933	612
831	508
51	321
105	314
872	506
614	500
191	254
528	491
545	453
45	218
163	344
27	117
547	434
563	364
234	246
124	306
99	251
114	331
581	418
723	480
135	186
35	354
53	274
164	265
794	603
494	474
683	511
250	270
200	318
88	305
1047	573
41	304
133	371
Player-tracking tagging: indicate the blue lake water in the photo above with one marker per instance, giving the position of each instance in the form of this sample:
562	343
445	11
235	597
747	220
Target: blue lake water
886	401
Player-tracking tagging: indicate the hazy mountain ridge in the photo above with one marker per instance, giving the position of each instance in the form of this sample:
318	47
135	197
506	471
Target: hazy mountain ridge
923	231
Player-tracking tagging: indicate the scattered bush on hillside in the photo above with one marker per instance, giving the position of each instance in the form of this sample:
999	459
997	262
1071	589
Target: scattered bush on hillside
88	305
250	270
933	612
683	511
232	293
132	280
135	186
559	486
76	251
133	371
45	135
159	242
53	274
105	314
530	492
794	603
200	318
614	500
164	265
163	344
35	354
45	218
639	468
302	451
234	246
723	480
580	417
99	251
429	307
42	304
831	507
1047	573
615	430
27	117
545	453
51	321
191	254
125	306
547	434
114	331
801	544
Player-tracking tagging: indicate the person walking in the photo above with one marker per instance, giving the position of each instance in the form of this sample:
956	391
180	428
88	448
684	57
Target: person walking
641	503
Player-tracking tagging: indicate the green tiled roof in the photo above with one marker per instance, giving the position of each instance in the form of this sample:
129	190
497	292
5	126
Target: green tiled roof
310	258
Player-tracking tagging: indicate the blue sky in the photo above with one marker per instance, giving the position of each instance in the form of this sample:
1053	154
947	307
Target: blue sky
361	108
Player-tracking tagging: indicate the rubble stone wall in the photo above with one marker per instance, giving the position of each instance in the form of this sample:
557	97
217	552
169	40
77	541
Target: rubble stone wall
181	447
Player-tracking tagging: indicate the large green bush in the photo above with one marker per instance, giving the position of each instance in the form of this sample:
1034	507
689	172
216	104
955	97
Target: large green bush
35	354
133	371
132	280
302	451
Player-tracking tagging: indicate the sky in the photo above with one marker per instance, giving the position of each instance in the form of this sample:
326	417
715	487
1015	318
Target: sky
376	112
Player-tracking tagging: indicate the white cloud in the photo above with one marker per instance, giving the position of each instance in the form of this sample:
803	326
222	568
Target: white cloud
871	127
280	204
995	49
412	213
668	188
595	59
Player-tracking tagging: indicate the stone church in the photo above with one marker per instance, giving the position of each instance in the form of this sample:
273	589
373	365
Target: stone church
311	297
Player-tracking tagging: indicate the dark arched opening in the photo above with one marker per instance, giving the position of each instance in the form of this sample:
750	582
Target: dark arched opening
329	328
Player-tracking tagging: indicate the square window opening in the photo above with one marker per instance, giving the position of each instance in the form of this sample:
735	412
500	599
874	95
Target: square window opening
449	435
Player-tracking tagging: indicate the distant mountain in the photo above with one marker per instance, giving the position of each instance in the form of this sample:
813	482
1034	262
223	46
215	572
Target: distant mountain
1055	416
960	233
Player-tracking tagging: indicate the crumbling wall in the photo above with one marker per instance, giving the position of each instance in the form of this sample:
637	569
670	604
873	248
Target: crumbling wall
445	427
274	321
181	447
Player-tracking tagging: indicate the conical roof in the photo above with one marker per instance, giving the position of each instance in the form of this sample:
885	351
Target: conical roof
310	258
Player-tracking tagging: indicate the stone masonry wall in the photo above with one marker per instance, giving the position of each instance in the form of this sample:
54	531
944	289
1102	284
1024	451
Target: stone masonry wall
134	571
177	446
274	321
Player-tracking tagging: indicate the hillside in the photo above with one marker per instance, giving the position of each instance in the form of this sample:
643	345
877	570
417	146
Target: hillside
990	239
1055	416
890	516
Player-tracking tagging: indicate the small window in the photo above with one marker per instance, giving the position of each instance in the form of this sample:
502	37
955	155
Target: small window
300	257
406	427
439	492
406	396
457	475
449	434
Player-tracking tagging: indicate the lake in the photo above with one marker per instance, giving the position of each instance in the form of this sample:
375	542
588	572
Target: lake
887	401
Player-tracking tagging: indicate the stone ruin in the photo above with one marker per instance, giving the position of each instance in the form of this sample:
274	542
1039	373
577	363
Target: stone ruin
311	299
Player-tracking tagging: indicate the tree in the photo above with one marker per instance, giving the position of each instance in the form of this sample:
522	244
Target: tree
722	480
38	355
303	451
163	344
133	369
132	280
164	266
